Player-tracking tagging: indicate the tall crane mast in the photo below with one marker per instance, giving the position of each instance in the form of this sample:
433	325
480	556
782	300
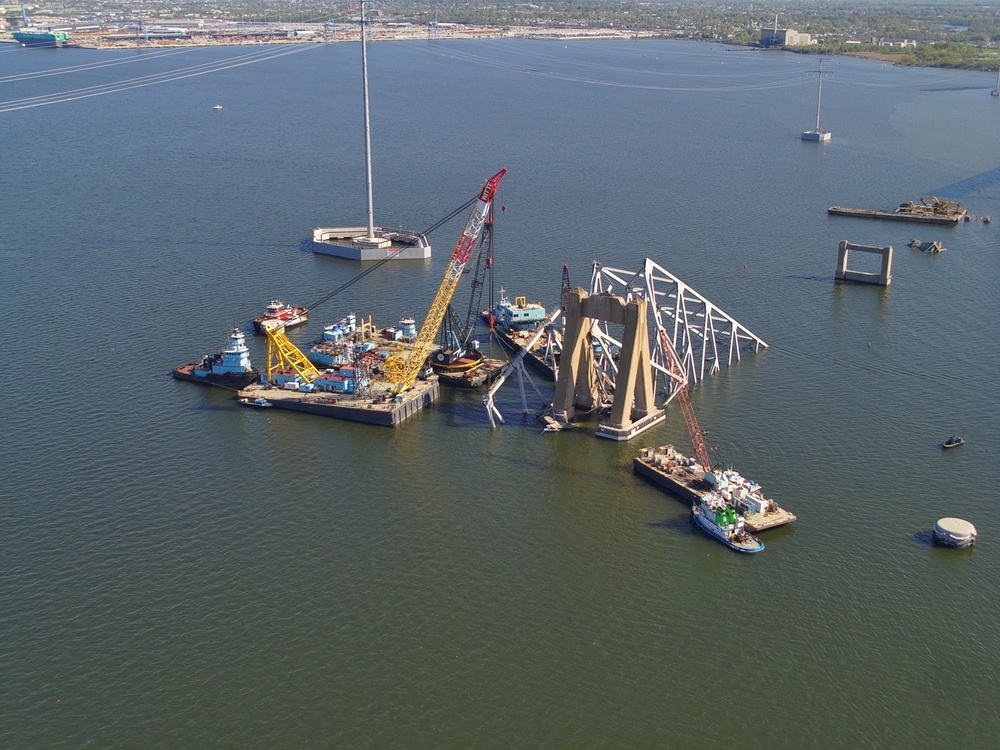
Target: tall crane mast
402	371
456	333
679	376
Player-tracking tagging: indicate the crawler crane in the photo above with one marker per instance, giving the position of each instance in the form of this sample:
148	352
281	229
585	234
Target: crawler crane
401	371
679	376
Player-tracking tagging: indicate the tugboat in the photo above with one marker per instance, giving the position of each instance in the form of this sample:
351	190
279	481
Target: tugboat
719	520
280	316
229	368
953	442
257	403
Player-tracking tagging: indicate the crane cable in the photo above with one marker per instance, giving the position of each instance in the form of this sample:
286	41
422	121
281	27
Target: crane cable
389	257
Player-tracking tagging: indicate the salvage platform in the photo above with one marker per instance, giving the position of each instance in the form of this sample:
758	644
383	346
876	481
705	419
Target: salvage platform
386	410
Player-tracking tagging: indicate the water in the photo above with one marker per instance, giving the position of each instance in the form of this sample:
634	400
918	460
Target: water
178	571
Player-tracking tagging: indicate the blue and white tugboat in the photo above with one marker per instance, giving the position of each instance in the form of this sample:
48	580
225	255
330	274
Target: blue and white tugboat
229	368
717	518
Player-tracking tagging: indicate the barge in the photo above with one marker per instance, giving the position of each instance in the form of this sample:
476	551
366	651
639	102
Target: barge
685	479
514	325
930	210
383	410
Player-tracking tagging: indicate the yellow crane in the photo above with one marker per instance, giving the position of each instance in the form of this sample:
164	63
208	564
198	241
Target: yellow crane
282	353
401	370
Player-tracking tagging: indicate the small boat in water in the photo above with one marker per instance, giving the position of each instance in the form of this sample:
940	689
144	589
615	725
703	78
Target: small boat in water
280	316
257	403
228	368
719	520
953	442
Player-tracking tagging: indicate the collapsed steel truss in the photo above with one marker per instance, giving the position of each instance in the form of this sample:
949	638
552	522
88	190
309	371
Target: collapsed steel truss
703	336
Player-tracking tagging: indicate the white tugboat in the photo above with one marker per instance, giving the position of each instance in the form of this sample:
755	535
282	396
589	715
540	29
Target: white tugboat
719	520
229	368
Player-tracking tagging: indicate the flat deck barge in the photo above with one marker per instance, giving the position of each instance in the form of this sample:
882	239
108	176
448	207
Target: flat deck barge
669	469
906	212
385	411
513	341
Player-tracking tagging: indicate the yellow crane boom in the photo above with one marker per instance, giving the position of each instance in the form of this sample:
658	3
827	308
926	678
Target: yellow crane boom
401	371
282	353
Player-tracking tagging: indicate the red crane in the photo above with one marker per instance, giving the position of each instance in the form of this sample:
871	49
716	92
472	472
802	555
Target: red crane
680	378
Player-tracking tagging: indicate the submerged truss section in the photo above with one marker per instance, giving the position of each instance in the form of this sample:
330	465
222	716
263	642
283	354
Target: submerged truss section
703	335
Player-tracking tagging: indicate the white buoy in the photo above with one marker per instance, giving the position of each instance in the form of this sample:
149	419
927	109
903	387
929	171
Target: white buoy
954	532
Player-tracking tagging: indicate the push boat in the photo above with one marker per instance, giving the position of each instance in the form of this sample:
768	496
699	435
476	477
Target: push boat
719	520
228	368
280	316
953	442
686	479
257	403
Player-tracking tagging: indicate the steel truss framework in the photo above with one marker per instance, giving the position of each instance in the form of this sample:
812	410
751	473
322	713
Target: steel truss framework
704	336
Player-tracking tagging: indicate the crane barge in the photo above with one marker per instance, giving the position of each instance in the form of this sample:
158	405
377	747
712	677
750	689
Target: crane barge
371	391
693	478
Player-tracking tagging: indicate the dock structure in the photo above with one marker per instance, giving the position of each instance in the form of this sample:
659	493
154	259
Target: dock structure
880	278
383	410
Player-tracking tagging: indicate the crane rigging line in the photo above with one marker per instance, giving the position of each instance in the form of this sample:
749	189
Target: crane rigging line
92	66
378	264
147	80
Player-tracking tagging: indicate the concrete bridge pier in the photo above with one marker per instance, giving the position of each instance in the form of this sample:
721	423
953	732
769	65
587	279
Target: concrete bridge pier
882	278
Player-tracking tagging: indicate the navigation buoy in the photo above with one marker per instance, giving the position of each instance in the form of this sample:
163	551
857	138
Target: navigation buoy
954	532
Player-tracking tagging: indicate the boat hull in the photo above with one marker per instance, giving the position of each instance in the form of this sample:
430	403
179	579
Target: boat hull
260	323
41	38
748	548
229	380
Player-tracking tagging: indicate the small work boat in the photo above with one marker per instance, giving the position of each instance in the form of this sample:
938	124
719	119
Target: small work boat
280	316
257	403
719	520
953	442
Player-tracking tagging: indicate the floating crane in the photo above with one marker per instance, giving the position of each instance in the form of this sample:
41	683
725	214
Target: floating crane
402	371
678	375
456	335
